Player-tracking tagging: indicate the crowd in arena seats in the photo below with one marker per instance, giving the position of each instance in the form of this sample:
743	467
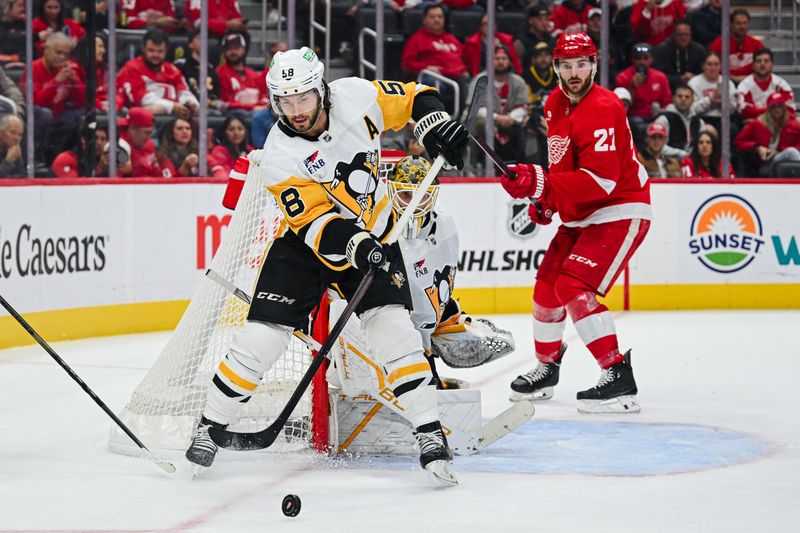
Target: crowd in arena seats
663	58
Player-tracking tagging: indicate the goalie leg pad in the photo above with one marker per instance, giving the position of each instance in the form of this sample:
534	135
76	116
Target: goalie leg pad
254	349
468	342
398	348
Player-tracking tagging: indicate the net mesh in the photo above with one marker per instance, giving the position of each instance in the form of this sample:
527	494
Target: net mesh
166	406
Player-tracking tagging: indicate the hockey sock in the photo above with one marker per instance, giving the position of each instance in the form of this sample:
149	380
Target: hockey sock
593	321
548	322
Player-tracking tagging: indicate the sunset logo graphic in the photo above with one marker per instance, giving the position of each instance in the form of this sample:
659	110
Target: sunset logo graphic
726	233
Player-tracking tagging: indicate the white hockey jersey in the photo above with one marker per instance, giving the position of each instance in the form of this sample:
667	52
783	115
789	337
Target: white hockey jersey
431	262
317	183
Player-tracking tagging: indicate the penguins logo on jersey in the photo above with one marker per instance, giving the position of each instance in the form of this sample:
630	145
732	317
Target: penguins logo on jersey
441	289
359	178
519	223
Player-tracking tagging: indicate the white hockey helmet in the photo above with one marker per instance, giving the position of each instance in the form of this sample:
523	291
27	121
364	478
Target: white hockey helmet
295	72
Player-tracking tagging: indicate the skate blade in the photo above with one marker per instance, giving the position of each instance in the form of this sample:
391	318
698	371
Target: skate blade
441	473
197	471
619	405
536	396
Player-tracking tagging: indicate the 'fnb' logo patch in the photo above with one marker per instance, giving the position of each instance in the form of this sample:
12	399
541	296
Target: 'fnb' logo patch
726	233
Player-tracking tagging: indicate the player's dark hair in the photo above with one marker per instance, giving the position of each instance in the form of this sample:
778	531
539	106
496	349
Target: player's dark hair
437	5
59	18
763	52
155	36
739	11
683	86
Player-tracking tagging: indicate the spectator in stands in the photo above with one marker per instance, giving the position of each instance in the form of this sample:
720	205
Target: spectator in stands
540	75
263	120
11	163
614	55
707	89
465	5
474	48
124	166
13	100
570	17
658	159
189	65
707	22
223	16
150	81
74	164
705	159
139	14
231	143
432	48
679	57
12	31
240	87
510	99
101	70
537	31
771	138
52	17
177	149
59	95
742	46
653	21
679	118
625	97
143	159
648	86
755	88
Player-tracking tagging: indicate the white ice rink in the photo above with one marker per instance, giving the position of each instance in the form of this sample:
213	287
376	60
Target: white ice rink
715	448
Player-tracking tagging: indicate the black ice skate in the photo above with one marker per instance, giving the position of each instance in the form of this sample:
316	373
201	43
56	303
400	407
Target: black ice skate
202	450
435	455
538	383
615	392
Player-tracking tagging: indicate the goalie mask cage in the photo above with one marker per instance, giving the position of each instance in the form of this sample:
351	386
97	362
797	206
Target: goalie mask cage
165	408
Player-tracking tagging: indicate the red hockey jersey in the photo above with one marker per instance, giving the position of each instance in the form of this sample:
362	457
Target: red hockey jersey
656	26
140	13
242	90
741	54
595	175
141	86
219	13
57	96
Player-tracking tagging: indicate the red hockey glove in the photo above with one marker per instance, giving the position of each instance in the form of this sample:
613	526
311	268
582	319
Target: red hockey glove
540	212
531	181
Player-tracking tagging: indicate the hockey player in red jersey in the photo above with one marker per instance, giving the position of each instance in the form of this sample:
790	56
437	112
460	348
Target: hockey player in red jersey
602	195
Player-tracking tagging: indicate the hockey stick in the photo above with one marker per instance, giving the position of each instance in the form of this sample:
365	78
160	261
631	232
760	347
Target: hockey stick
163	465
262	439
466	442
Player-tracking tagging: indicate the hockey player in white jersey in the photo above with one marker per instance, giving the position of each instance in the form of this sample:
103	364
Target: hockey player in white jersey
430	249
321	164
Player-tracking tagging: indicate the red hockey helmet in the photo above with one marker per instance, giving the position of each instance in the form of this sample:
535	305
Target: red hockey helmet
574	45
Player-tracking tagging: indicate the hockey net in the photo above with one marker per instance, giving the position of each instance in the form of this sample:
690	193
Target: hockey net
164	409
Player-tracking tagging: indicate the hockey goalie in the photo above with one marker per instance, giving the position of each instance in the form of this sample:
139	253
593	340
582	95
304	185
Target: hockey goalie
366	418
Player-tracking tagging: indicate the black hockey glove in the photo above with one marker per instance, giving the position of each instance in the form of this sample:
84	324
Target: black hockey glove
365	251
439	134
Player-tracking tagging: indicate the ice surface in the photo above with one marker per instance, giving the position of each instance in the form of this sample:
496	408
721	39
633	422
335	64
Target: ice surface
714	449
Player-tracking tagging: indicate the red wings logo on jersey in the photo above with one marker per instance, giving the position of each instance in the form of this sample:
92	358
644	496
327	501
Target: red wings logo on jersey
556	148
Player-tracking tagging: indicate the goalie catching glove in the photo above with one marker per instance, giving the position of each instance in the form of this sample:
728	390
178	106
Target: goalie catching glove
440	134
365	251
531	183
465	342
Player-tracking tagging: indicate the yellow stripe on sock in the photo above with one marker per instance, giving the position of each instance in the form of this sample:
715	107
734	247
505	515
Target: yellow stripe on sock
234	377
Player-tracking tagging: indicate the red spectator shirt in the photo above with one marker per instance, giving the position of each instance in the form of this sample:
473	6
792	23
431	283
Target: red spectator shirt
753	94
654	89
566	20
756	134
741	54
425	48
139	13
57	96
656	26
219	13
457	4
689	171
242	90
144	163
595	175
138	85
71	28
473	48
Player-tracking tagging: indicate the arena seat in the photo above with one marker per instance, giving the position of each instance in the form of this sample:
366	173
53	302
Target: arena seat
464	23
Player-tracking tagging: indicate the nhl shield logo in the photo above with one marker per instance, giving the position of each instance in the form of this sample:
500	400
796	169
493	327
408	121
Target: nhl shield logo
519	223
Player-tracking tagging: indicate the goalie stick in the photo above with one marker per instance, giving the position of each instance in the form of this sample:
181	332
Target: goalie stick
462	442
263	439
163	465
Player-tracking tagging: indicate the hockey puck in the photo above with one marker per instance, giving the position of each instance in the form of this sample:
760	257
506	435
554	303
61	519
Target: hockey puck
291	505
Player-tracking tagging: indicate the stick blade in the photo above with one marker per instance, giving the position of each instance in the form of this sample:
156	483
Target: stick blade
504	423
231	440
